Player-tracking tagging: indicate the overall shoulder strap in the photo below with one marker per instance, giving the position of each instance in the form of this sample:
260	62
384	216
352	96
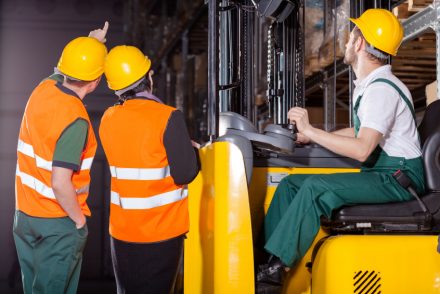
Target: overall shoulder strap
402	95
356	105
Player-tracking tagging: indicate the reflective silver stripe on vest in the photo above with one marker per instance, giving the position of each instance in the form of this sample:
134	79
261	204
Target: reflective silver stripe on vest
148	202
86	163
35	184
122	173
40	187
28	150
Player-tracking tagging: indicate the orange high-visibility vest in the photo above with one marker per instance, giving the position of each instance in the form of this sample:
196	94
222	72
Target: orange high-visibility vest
48	112
146	204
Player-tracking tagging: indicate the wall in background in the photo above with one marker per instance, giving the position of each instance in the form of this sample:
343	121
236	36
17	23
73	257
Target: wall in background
32	36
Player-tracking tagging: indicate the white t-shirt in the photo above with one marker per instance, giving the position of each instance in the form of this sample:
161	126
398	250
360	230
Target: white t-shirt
383	110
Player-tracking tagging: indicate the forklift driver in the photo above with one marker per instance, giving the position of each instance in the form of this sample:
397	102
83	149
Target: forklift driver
384	139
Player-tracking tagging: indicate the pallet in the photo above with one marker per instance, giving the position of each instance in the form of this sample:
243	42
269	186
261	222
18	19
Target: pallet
418	5
410	7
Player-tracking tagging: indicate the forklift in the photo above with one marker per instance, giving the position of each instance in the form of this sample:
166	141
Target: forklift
375	248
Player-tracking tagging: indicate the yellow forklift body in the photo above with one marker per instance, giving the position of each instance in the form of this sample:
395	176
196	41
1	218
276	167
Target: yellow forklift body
218	254
392	264
261	190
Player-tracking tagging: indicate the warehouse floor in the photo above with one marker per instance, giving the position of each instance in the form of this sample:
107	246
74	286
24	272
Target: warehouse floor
85	287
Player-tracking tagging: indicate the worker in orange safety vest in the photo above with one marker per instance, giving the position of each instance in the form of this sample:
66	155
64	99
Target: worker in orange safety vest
55	150
151	160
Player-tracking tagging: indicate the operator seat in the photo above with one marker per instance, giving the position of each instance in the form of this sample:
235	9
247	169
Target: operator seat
401	216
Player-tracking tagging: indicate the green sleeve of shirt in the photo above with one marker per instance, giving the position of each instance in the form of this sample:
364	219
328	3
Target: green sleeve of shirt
70	145
56	77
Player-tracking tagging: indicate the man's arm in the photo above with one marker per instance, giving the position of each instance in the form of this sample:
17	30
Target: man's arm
357	148
182	158
301	138
66	195
347	132
99	34
66	160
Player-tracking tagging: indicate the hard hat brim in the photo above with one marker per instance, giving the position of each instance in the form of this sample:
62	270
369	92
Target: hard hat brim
369	35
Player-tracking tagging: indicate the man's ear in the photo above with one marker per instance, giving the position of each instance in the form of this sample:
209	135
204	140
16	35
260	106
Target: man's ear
97	81
358	44
94	84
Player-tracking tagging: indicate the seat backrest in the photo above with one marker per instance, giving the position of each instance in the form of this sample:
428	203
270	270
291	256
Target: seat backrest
430	121
429	130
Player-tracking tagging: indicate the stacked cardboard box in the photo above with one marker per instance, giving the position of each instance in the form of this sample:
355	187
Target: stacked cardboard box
320	40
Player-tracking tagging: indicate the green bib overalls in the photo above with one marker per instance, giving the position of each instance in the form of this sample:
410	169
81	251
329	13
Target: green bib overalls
293	218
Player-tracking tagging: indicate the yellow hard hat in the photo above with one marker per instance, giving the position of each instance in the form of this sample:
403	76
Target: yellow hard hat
124	66
83	59
381	29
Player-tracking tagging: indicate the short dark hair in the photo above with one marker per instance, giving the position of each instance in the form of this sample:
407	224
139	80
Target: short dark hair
75	82
358	33
145	85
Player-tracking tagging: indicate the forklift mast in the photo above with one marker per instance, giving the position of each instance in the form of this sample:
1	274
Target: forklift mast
232	60
285	63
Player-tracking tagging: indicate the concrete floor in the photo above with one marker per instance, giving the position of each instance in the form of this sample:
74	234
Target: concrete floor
84	287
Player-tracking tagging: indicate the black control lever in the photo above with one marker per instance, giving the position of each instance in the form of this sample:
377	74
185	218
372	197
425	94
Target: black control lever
292	128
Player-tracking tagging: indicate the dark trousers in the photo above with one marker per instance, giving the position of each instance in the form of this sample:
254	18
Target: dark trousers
142	268
50	253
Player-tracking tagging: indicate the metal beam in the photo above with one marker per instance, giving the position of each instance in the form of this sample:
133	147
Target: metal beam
186	25
418	23
317	79
339	101
213	68
329	104
428	18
